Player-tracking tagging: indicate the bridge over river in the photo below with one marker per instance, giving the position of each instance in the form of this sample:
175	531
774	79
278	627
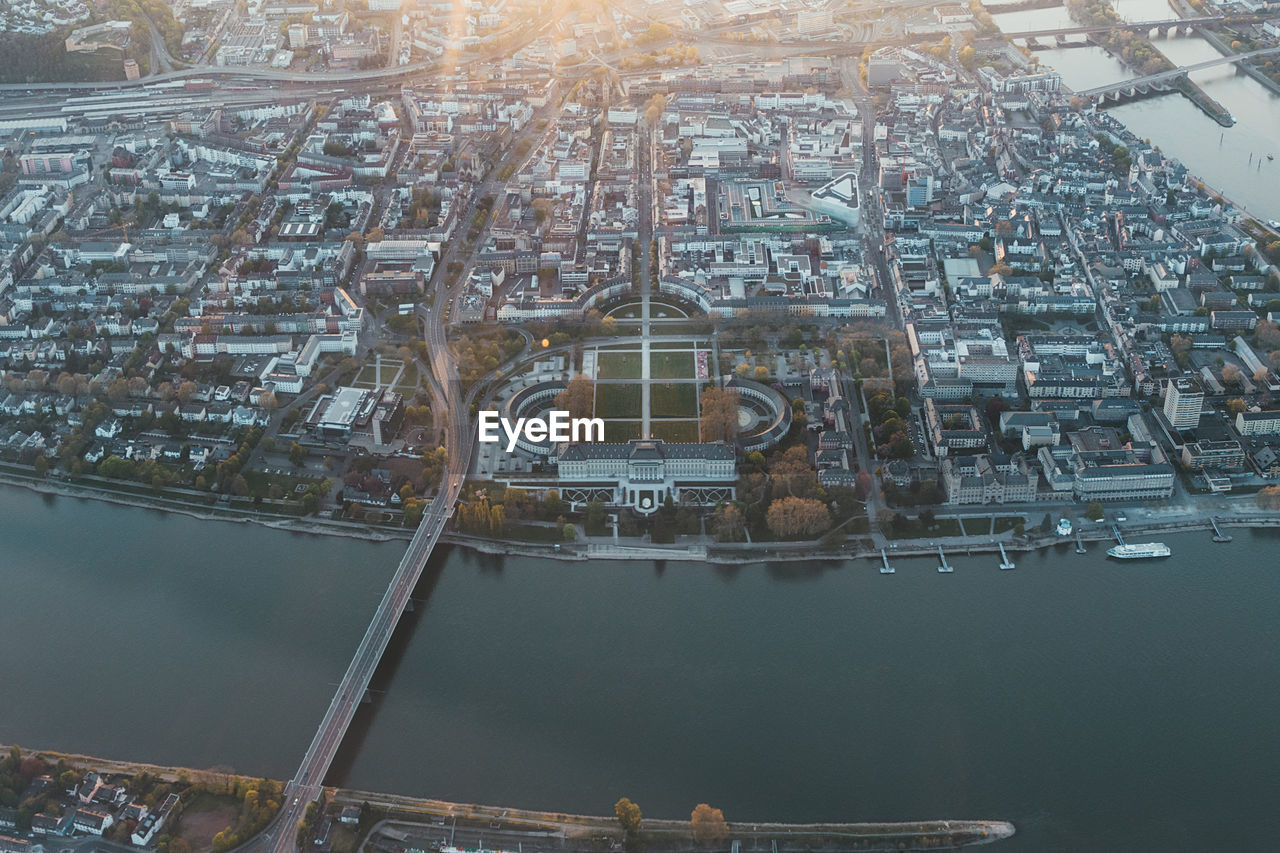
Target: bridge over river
1161	78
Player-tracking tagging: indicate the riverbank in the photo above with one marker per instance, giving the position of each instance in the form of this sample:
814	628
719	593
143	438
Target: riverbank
71	489
402	817
701	551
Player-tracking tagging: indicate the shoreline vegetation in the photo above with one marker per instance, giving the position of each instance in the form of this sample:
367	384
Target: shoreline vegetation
400	815
605	548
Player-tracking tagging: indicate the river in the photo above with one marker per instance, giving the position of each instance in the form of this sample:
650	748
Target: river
1228	159
1101	706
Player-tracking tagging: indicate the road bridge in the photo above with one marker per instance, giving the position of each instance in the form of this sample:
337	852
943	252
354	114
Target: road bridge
1184	25
307	783
1163	79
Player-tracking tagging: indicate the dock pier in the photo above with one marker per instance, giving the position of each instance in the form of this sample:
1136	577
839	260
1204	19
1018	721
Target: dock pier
943	567
1115	530
1080	549
1218	535
885	568
1005	562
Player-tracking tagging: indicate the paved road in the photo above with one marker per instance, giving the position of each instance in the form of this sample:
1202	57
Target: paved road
307	783
644	244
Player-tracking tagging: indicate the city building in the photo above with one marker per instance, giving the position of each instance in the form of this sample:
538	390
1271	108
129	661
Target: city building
1183	401
643	473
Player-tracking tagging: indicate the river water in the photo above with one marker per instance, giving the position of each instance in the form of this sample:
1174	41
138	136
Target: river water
1101	706
1227	158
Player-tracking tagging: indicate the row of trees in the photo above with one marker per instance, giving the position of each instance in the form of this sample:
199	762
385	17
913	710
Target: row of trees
889	424
257	807
719	409
706	823
482	518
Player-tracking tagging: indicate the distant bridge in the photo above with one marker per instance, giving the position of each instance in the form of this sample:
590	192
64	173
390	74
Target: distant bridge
1162	27
1164	79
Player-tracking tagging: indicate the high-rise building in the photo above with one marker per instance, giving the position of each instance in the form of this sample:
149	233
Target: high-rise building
1183	400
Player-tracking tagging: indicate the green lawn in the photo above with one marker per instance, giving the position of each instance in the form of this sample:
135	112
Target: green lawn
914	529
533	533
674	400
684	431
671	365
621	430
408	384
617	401
1008	522
260	481
618	365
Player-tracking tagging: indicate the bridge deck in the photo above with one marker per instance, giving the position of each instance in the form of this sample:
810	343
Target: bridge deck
307	783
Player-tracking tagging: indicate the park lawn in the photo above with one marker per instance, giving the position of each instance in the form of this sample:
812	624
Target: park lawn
408	384
673	400
260	481
204	816
533	532
343	838
676	431
625	312
657	345
617	401
1008	522
390	366
621	430
671	365
618	365
912	528
367	377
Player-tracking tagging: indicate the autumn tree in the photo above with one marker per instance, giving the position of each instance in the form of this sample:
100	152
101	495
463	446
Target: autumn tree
862	485
728	524
708	825
719	414
1231	375
1180	346
1269	498
628	814
579	399
653	108
791	475
1266	335
794	517
1236	405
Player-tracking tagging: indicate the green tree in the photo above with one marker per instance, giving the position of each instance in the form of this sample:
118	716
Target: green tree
595	517
570	532
1094	511
297	454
